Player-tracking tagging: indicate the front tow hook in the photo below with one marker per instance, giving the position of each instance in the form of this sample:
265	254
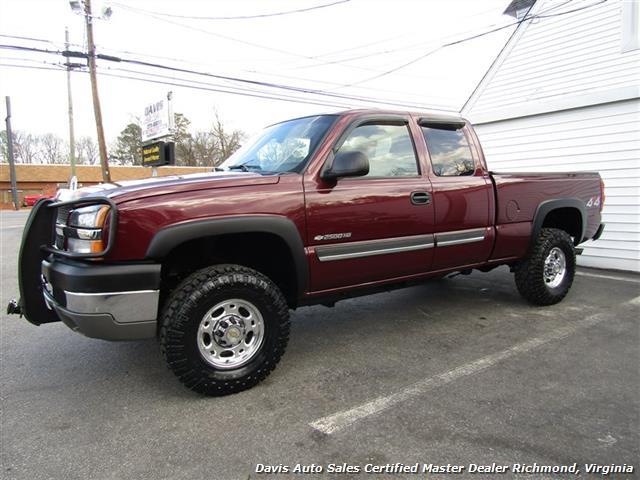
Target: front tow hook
14	308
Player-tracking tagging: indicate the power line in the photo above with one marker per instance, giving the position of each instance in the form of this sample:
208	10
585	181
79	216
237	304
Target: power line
277	86
567	11
30	49
239	17
31	39
314	58
418	44
236	91
33	67
156	75
262	83
256	72
241	41
186	83
473	37
199	85
383	52
278	97
336	84
219	35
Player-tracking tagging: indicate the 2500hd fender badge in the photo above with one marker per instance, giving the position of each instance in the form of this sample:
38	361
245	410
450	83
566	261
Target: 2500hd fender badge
332	236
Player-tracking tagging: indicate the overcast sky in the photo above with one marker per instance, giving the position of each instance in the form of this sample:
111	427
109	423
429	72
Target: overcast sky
339	49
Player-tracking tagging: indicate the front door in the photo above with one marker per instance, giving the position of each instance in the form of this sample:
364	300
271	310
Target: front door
375	227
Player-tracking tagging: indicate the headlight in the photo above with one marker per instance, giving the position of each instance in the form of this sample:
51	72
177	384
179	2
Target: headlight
93	216
84	230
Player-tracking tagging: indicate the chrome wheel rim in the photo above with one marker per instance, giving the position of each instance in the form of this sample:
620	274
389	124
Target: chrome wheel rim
230	334
555	267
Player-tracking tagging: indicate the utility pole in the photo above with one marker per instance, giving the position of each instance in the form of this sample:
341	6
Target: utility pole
12	163
72	138
102	145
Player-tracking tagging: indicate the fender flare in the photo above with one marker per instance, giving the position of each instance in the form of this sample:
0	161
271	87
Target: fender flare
549	205
166	239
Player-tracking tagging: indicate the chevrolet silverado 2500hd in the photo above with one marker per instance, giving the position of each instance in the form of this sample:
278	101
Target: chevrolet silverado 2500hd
314	210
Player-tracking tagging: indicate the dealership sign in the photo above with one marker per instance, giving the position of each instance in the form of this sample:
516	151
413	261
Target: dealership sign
156	120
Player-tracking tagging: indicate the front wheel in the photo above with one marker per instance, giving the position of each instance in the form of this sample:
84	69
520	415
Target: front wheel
224	329
546	275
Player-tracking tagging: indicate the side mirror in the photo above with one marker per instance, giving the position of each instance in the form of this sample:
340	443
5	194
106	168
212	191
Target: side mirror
347	164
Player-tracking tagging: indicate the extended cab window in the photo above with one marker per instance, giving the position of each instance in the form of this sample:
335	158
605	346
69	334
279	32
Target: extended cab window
449	151
388	147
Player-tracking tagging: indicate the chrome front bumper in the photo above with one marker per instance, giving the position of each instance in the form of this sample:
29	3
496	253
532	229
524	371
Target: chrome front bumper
109	315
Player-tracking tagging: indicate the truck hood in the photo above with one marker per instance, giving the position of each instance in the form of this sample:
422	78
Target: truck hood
135	189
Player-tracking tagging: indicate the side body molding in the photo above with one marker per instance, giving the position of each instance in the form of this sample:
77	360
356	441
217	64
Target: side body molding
170	237
549	205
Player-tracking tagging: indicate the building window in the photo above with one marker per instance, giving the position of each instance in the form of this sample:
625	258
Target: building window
630	25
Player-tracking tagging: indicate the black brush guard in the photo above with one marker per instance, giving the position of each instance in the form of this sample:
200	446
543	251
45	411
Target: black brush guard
36	243
37	232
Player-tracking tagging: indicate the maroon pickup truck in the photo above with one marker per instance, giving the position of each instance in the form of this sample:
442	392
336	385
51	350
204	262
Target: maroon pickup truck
314	210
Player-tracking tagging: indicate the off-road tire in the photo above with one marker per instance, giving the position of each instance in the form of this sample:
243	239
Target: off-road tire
529	273
190	301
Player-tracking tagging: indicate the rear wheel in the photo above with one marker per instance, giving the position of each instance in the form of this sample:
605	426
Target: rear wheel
224	329
546	275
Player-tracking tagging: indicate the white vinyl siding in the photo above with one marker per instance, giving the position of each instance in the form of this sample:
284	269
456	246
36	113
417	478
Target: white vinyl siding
571	54
603	138
564	96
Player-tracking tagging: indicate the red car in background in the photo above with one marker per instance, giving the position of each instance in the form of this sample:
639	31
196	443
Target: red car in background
30	200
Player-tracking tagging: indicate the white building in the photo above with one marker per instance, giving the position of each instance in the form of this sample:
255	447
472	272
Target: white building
564	95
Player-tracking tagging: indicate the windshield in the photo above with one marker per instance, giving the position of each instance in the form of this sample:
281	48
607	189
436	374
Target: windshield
284	147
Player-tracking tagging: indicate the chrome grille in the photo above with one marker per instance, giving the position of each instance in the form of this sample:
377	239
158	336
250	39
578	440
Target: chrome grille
61	221
63	214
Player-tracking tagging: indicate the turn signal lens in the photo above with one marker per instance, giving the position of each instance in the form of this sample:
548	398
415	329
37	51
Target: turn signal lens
78	245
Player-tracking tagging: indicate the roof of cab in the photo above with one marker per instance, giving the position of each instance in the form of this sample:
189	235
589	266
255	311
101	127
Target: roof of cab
426	116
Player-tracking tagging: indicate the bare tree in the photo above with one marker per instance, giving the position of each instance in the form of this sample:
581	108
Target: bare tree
87	150
52	149
227	142
205	149
198	148
25	147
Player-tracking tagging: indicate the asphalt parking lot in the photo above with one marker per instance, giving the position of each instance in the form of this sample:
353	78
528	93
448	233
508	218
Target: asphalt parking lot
454	371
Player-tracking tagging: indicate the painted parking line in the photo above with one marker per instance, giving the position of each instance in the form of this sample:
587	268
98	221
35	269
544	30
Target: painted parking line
341	420
634	301
608	277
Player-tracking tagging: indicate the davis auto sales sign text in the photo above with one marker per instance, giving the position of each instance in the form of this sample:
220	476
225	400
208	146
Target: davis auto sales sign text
155	123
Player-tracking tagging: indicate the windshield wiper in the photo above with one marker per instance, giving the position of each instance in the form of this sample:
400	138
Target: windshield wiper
244	167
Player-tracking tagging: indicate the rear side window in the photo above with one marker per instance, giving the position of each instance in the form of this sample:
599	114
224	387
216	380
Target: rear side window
449	151
389	149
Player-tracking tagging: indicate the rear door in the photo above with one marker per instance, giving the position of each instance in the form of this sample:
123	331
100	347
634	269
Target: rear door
462	195
375	227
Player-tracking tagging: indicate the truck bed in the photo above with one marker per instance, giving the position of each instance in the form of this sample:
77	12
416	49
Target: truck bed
520	195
